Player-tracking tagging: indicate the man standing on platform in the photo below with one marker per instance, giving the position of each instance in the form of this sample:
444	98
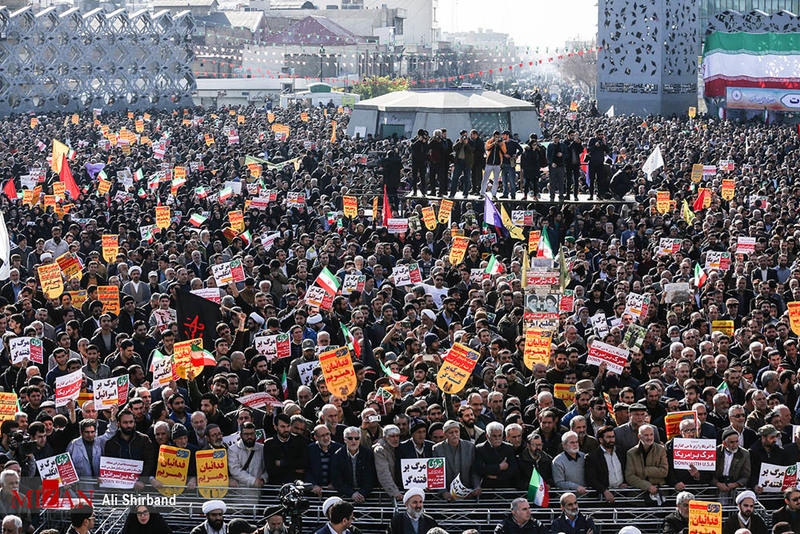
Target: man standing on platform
573	164
510	164
419	160
556	152
478	160
597	150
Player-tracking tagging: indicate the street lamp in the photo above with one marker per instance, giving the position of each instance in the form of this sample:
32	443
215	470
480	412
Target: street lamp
321	52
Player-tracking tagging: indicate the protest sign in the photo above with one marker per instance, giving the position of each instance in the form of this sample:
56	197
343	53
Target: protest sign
58	467
777	478
350	205
794	316
353	282
70	264
567	303
112	391
337	367
458	490
236	218
705	517
614	357
315	296
163	371
182	356
634	337
445	207
727	189
172	469
212	473
745	245
222	274
274	347
109	296
429	218
110	246
565	392
208	293
600	324
163	216
700	453
697	173
458	249
8	405
26	347
397	226
68	387
458	364
260	400
423	473
537	347
662	202
673	420
119	473
401	276
637	305
51	281
726	327
306	371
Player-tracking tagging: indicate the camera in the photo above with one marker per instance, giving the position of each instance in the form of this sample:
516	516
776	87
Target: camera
374	419
292	497
21	444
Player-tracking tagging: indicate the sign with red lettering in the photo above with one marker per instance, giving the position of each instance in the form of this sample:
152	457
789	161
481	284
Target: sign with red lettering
614	357
700	453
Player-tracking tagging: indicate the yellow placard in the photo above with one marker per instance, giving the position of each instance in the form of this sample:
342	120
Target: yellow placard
565	392
212	473
459	248
350	206
794	317
140	126
240	119
130	114
705	517
103	187
337	368
182	356
445	208
109	296
270	117
49	201
34	122
172	469
537	347
533	241
662	202
304	117
673	421
78	297
692	112
236	219
147	116
706	192
573	106
697	173
75	119
726	327
456	369
70	265
8	406
429	217
60	190
728	189
110	247
163	216
51	281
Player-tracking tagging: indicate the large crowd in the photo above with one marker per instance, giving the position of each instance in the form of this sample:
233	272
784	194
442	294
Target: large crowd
714	337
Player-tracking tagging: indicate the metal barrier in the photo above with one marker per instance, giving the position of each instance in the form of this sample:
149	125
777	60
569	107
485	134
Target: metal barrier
373	516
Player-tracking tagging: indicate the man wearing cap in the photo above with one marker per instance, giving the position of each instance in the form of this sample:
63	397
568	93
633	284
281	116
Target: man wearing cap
766	450
460	457
215	518
745	517
417	446
308	355
628	434
733	463
137	289
413	520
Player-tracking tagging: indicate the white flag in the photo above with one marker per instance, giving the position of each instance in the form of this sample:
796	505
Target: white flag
610	112
653	163
5	249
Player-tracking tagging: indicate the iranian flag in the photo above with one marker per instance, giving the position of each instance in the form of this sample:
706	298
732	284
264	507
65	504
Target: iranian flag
700	276
327	281
494	267
177	182
352	342
545	250
225	193
201	357
538	492
723	388
246	237
139	175
397	377
738	61
201	192
197	220
141	193
285	385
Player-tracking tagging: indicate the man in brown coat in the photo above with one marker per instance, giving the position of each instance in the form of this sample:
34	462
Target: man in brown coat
647	467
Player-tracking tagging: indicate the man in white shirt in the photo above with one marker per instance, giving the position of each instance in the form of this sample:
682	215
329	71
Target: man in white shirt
605	466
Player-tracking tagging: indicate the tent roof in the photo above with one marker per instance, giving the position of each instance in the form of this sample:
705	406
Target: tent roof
460	100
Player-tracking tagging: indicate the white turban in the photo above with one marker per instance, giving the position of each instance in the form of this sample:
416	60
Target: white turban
330	501
411	493
210	506
629	530
746	495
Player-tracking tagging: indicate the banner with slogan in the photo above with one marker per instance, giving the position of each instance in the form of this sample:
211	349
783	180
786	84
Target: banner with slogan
58	467
565	392
109	296
26	347
745	245
119	473
110	247
51	281
637	305
353	282
717	261
705	517
111	392
182	356
423	473
672	421
68	387
727	189
337	368
777	478
163	371
706	194
567	301
70	264
537	346
429	217
274	347
172	469
634	337
533	241
668	245
726	327
261	399
794	316
458	364
445	208
698	453
350	205
163	216
236	218
697	173
458	249
397	225
212	473
8	406
614	357
662	202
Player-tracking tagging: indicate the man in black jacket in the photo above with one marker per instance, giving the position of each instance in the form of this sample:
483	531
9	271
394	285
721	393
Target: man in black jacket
286	453
678	521
556	157
414	519
519	521
790	512
419	160
495	460
392	166
478	160
597	150
598	476
132	445
573	164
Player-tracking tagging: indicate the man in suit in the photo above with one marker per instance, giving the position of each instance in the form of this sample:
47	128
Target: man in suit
628	434
416	446
460	457
320	458
605	466
520	521
353	481
197	265
413	519
745	517
340	518
790	512
733	463
764	273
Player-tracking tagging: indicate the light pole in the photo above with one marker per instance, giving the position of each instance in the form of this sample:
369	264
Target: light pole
321	52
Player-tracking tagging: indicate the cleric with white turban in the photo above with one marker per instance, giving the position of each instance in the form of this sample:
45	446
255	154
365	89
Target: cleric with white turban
214	524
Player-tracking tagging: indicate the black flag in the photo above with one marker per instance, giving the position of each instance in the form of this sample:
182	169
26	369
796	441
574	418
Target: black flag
197	317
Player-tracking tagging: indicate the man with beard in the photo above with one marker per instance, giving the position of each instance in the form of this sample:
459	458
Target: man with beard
733	463
569	467
678	521
744	517
215	521
286	453
519	521
246	459
495	459
533	456
274	517
414	519
259	365
214	438
132	445
572	521
469	432
605	466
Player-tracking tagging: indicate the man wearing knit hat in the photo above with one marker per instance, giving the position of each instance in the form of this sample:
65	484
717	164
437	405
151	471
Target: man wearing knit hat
745	517
215	522
413	520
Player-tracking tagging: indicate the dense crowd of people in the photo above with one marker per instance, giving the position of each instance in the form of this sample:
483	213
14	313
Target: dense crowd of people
716	338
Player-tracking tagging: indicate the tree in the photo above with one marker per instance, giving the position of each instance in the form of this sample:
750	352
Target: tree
580	69
379	85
